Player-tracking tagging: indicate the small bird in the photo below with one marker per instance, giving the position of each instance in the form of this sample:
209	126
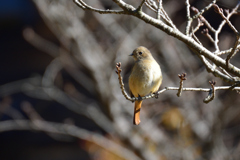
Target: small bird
145	78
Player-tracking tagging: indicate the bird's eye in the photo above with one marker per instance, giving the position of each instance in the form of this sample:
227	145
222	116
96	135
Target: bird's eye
140	53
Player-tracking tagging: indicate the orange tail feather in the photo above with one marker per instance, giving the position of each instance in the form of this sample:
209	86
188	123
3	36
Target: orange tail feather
137	108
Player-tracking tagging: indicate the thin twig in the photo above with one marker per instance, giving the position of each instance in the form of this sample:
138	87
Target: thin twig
140	6
203	20
206	33
152	4
196	28
225	72
160	12
233	51
204	9
211	93
84	6
189	19
159	9
118	71
150	7
220	11
182	78
195	37
168	20
228	51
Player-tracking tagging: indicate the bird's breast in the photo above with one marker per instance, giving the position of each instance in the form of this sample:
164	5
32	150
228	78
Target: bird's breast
146	77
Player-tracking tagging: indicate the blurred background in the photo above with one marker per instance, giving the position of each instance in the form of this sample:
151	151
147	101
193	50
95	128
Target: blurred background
60	98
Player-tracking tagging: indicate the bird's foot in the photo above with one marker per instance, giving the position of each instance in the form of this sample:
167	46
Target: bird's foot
139	97
156	94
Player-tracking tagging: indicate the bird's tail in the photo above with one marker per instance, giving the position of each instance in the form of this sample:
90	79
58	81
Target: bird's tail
137	108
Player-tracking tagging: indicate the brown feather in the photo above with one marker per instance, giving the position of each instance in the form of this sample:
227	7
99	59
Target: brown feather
137	108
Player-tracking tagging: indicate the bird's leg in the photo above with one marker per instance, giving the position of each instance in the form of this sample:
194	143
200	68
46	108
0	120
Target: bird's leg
156	94
139	97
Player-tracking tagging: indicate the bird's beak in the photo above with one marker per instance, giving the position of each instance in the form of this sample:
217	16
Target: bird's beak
131	54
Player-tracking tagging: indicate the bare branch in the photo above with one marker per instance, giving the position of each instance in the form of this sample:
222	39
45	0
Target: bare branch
180	89
189	19
226	20
203	20
119	70
206	33
204	9
150	6
233	51
182	78
84	6
140	6
197	27
159	9
129	9
211	93
220	11
195	37
228	51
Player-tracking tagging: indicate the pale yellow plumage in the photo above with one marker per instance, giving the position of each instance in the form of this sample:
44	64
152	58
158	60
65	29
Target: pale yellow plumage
145	78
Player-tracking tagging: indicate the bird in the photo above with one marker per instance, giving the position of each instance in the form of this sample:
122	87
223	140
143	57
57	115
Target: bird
145	78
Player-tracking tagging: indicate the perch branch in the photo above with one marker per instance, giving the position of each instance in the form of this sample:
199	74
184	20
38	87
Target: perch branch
153	95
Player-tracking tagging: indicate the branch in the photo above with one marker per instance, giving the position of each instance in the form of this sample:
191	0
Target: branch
203	20
159	9
140	6
186	39
233	51
211	93
84	6
206	33
220	11
153	6
226	20
204	9
182	78
180	89
189	19
195	46
161	13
